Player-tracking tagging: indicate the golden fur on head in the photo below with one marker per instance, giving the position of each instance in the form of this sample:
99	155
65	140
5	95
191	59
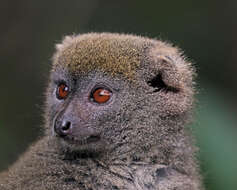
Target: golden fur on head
109	53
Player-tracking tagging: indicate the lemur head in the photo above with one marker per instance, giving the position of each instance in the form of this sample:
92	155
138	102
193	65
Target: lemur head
116	93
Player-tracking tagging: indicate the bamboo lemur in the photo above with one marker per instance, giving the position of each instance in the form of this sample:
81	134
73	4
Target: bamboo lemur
116	111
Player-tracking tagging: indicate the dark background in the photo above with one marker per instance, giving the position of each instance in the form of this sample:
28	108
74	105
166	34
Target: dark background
205	29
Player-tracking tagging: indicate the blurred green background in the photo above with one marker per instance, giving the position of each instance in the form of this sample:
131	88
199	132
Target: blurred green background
205	29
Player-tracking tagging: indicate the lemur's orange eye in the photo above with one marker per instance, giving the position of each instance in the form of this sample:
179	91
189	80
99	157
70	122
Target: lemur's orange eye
62	91
101	95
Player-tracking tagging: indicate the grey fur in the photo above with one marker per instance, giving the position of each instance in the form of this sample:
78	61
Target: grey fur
144	144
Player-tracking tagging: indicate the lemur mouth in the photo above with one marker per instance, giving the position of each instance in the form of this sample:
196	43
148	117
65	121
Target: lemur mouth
88	140
93	138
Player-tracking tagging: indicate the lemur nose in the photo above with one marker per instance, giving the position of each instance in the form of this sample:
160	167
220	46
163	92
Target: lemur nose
62	128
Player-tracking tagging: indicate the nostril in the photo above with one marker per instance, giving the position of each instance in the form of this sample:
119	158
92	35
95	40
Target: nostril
66	125
63	128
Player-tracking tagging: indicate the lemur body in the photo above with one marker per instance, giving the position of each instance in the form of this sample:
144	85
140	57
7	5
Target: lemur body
117	105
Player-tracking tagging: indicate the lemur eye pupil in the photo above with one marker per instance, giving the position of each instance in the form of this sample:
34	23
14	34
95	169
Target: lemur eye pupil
101	95
62	91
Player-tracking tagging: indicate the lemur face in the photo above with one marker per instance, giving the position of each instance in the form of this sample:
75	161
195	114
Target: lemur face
105	88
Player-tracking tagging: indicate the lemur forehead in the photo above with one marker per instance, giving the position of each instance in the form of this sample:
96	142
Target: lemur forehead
110	53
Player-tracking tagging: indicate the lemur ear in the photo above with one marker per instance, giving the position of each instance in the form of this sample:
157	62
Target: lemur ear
171	78
67	40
